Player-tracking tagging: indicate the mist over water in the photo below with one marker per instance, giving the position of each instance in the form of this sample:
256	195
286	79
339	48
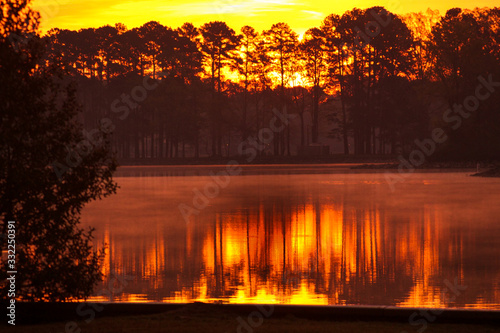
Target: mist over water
302	235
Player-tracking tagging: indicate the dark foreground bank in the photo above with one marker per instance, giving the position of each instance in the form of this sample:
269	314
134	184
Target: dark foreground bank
200	317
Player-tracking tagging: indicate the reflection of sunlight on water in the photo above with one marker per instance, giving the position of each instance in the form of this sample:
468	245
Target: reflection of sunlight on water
305	239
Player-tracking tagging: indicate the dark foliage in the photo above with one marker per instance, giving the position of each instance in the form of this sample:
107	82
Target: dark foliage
39	130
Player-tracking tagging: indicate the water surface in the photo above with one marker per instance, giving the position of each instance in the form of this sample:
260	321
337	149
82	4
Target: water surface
301	235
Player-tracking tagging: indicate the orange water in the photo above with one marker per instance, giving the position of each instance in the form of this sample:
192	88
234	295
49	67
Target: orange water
302	236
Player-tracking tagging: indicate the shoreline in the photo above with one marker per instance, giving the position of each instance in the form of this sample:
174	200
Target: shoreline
271	169
482	169
354	161
493	172
33	313
301	168
262	160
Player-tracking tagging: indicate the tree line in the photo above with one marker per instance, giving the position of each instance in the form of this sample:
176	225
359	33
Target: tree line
379	79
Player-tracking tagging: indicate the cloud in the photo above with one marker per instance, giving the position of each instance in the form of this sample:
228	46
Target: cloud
240	7
314	13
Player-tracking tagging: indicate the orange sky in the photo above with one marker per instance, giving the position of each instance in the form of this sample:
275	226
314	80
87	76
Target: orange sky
261	14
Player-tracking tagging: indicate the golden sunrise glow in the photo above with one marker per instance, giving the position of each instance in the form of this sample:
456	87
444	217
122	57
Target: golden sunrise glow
336	246
301	259
261	14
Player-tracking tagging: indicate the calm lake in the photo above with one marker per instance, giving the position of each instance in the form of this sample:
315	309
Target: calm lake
312	234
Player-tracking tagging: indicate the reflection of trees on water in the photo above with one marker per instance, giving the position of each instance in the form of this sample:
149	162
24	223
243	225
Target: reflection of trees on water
326	250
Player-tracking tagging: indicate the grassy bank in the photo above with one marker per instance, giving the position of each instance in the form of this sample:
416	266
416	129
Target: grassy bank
210	319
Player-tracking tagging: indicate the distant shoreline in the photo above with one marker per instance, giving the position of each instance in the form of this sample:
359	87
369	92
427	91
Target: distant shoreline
494	172
353	162
221	160
484	169
367	161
